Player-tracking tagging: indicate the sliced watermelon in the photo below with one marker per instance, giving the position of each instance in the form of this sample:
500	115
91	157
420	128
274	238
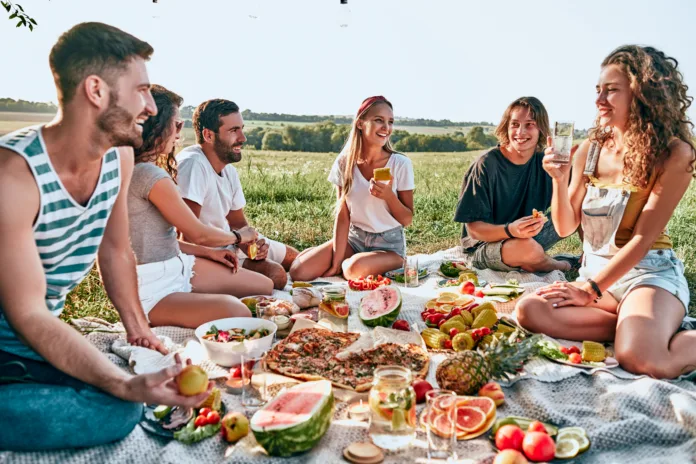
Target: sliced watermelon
381	307
295	420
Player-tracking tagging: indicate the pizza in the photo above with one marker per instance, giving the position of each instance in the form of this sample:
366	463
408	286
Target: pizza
538	214
310	354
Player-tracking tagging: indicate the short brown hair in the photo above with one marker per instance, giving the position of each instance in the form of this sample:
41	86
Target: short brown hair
92	49
536	110
207	115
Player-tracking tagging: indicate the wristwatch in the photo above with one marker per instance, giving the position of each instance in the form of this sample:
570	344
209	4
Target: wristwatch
236	234
507	230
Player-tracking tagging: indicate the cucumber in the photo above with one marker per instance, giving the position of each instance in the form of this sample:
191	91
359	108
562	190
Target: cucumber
161	411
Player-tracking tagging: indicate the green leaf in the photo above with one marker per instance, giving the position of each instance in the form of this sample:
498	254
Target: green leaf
19	24
31	27
14	15
7	6
32	21
20	7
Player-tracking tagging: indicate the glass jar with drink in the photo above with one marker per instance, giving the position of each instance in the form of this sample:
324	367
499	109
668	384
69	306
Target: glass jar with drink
393	408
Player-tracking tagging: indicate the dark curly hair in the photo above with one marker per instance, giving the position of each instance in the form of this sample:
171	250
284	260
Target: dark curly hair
157	129
207	115
657	114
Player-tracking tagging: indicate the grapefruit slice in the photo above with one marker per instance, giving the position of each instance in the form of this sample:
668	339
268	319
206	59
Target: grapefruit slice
447	298
443	403
442	425
484	403
427	417
469	419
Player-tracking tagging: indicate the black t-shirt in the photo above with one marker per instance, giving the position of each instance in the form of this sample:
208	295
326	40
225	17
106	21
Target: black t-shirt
497	191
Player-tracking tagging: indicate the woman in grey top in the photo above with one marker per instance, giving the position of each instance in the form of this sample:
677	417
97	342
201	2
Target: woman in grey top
181	284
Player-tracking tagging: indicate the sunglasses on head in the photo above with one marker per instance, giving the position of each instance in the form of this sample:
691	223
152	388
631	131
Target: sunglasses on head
179	125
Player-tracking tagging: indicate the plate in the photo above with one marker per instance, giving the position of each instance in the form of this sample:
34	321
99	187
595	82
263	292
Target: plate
152	425
609	362
397	275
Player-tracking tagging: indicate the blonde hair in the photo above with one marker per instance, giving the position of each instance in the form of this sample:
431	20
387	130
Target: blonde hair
536	111
351	154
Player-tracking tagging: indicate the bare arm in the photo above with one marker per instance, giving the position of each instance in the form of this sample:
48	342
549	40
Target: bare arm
566	203
166	198
486	232
401	207
663	200
340	234
117	265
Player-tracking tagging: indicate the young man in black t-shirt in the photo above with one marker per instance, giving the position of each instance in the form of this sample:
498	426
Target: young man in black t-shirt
501	190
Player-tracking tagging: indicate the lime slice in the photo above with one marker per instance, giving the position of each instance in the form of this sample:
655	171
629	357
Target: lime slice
398	419
580	438
567	448
578	430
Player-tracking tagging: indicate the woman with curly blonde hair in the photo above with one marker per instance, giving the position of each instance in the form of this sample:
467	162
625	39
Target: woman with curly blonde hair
627	180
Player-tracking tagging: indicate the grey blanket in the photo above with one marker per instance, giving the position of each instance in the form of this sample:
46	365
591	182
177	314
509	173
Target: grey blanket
628	419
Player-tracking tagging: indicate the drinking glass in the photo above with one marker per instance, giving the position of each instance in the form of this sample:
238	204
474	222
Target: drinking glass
439	421
562	141
411	271
392	408
254	394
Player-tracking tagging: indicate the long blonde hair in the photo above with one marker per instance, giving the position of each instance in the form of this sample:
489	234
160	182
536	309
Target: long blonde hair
351	153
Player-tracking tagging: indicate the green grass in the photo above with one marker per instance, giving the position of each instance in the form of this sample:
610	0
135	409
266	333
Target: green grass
289	199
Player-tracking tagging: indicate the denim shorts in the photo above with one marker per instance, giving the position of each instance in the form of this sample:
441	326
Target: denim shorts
659	268
489	255
390	240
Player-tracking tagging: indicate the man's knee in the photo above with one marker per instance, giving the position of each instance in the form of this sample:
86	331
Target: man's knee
278	275
290	255
522	252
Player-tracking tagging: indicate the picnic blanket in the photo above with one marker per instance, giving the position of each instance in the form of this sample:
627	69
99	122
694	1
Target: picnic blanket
628	419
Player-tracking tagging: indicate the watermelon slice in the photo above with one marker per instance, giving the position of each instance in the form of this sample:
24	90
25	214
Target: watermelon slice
295	420
381	307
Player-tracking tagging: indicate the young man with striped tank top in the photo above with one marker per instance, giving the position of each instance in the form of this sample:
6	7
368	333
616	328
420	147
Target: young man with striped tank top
63	190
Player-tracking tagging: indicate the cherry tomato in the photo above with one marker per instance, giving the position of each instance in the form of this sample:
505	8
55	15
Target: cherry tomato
213	417
440	322
538	446
380	277
467	288
575	358
456	312
565	350
200	421
573	349
509	437
204	411
536	426
447	344
453	331
479	294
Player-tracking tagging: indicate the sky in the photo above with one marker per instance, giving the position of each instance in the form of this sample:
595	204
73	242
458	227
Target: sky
462	60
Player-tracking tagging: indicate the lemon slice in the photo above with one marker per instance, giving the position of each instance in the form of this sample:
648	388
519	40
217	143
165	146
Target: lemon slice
464	301
577	435
445	308
578	430
447	298
432	304
567	448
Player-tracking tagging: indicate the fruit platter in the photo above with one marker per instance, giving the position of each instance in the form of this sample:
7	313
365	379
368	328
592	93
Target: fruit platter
589	355
452	269
370	282
526	438
267	307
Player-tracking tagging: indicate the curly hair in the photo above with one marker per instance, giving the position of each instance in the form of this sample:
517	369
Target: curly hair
536	111
157	129
657	114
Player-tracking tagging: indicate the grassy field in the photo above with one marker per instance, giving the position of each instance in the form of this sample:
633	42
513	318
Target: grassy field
289	199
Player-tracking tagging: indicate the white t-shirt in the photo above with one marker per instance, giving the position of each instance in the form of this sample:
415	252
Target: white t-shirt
217	194
367	212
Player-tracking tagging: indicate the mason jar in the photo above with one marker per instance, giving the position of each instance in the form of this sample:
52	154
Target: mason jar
392	408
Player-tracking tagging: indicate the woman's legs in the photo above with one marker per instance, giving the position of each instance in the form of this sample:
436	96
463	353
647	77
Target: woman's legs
315	262
573	323
371	263
212	277
645	336
193	309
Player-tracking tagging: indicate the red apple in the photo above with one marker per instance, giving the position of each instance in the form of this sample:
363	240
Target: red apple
401	324
421	387
510	456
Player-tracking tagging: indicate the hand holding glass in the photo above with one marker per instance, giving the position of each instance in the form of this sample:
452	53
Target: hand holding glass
562	141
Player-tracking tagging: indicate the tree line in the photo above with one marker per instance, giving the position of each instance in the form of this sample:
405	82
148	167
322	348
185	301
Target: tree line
187	112
9	104
328	136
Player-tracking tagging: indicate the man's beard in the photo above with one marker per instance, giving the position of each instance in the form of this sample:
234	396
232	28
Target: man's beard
225	153
119	125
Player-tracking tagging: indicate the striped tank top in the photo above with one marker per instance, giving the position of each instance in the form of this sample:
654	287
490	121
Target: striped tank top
67	234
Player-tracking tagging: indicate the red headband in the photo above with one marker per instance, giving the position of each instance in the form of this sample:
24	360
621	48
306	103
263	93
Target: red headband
370	101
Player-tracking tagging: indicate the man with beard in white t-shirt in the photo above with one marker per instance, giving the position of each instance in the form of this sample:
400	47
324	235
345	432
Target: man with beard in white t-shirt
210	185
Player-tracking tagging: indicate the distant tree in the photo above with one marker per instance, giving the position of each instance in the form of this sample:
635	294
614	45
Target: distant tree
188	123
17	12
255	137
272	140
187	112
477	137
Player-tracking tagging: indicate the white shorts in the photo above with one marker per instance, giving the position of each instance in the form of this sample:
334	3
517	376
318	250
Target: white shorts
276	251
162	278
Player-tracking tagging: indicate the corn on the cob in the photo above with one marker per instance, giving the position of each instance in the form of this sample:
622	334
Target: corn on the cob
486	318
468	318
213	401
434	338
463	341
593	351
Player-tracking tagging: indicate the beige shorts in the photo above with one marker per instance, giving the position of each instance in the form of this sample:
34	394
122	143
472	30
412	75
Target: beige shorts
162	278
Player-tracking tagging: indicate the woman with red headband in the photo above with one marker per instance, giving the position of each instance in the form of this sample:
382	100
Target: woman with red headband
371	214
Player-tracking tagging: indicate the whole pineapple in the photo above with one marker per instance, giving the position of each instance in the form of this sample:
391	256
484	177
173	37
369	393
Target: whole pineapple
467	371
